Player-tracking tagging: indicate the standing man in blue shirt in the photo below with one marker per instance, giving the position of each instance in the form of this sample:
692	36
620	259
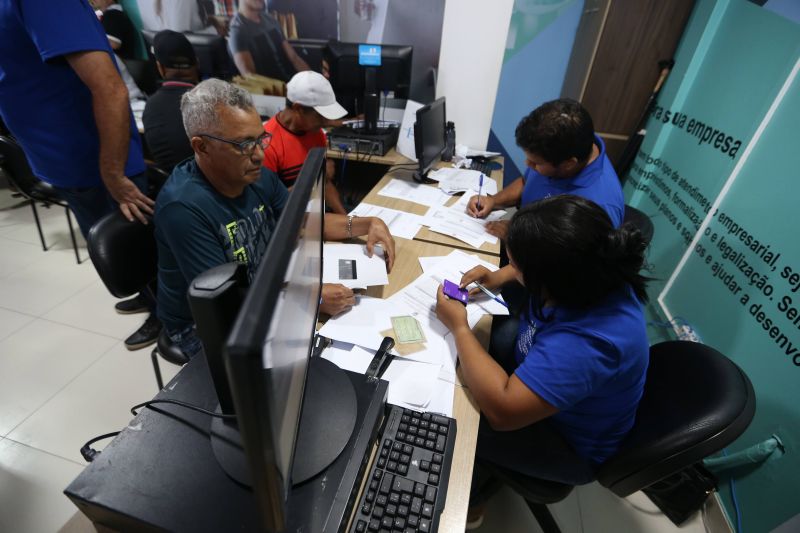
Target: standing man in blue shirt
564	156
63	99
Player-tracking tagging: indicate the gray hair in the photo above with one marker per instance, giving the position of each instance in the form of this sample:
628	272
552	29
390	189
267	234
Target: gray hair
200	106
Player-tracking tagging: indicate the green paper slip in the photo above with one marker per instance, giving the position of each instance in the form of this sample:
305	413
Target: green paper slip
407	329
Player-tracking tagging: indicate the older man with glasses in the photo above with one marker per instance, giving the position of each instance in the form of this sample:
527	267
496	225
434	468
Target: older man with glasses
223	206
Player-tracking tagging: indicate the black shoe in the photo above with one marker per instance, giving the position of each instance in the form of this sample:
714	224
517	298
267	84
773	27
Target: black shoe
137	304
145	335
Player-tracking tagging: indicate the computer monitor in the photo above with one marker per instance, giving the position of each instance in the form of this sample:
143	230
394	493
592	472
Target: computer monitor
359	71
294	414
213	60
429	136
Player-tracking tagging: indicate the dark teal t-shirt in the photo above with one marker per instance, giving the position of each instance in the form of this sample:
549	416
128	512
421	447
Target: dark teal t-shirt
591	365
197	228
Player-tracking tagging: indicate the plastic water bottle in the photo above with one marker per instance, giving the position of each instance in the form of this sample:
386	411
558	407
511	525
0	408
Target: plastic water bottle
449	142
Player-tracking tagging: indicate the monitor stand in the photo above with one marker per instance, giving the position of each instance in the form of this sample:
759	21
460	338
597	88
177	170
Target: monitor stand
326	424
421	177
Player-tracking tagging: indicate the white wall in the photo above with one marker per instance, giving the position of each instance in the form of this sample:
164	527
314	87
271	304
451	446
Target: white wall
473	42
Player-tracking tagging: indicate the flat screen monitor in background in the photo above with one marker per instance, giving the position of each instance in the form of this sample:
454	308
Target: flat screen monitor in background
359	72
213	60
295	414
429	136
310	50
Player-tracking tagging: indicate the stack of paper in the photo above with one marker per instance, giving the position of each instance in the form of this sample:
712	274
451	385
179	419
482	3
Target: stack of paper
453	180
401	224
414	192
422	379
349	265
412	384
454	222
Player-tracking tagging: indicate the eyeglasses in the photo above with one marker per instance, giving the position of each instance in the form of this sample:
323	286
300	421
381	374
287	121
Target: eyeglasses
246	147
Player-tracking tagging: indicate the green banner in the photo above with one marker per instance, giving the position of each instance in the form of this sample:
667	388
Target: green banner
718	174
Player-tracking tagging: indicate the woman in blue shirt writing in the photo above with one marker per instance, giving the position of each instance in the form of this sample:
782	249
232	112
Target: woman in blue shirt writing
559	404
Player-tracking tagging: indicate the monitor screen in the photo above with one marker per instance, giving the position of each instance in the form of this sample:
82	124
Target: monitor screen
269	347
429	134
348	64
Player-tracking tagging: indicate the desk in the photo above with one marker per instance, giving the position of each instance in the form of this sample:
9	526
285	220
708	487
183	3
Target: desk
391	158
155	468
425	234
465	411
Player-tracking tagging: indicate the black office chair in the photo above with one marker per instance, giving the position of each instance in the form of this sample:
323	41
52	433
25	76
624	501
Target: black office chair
144	73
640	220
18	172
124	255
696	401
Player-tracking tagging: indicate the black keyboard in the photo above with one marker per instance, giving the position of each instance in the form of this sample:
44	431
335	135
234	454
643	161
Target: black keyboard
407	484
481	167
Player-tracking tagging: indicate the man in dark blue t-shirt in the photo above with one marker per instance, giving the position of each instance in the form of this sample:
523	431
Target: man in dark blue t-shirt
223	206
563	156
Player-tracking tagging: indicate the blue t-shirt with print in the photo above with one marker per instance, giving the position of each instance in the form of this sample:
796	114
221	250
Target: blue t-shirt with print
597	182
590	364
43	102
197	228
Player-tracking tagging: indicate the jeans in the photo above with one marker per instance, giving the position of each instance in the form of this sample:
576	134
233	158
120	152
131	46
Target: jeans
187	340
90	204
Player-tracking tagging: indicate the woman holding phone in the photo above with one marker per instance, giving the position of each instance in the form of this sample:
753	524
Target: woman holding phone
559	399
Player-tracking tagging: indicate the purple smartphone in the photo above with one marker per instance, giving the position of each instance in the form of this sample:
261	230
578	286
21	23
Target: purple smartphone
455	292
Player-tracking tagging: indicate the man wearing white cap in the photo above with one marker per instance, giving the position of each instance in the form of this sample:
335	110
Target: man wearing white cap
310	105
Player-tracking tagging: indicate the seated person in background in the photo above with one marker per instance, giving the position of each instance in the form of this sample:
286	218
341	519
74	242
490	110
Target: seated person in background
258	46
310	105
557	401
119	29
222	206
163	124
564	156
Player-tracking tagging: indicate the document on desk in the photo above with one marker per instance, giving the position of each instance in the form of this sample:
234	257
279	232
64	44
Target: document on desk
364	323
412	384
459	225
349	265
414	192
463	201
420	294
453	180
400	224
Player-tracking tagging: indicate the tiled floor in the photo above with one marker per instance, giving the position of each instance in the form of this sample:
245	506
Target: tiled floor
65	376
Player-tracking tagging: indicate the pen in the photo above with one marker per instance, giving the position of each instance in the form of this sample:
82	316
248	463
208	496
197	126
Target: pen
489	293
480	188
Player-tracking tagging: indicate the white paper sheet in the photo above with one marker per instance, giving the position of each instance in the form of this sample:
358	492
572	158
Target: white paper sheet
452	180
363	323
414	192
405	140
459	225
369	271
463	201
420	294
427	263
400	223
411	384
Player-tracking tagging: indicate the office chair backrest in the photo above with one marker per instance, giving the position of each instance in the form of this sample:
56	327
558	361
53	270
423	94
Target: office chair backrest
696	401
19	172
123	253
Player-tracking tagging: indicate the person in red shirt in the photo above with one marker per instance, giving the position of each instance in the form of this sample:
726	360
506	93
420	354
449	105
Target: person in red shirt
310	105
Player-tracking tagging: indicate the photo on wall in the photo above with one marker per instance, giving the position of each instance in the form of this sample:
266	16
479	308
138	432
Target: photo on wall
274	39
